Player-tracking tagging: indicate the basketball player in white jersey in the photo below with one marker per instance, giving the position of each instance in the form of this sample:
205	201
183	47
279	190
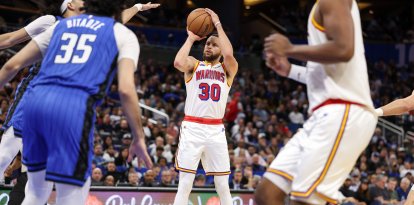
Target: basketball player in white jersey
316	161
10	145
202	133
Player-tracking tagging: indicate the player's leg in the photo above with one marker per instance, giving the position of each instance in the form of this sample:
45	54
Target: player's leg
341	133
37	188
188	156
184	188
9	147
69	194
277	181
17	193
216	161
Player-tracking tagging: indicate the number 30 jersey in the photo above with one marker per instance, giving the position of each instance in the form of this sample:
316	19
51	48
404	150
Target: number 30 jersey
82	52
207	91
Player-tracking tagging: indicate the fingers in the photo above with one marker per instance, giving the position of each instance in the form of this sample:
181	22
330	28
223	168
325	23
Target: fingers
147	160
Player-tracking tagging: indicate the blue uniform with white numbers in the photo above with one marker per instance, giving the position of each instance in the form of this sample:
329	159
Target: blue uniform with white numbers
77	69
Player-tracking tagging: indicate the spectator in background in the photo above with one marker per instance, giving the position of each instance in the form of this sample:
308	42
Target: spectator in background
392	193
232	109
97	177
126	139
111	170
98	155
378	193
237	182
345	189
149	179
403	189
133	179
200	180
362	193
122	158
109	180
166	178
110	154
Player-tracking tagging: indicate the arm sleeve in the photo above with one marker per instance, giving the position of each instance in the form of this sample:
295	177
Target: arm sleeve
298	73
43	39
127	43
40	25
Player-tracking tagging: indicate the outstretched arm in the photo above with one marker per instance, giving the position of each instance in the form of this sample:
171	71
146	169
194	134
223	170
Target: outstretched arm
397	107
127	14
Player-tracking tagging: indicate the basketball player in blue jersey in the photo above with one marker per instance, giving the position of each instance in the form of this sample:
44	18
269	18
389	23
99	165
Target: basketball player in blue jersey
80	59
10	145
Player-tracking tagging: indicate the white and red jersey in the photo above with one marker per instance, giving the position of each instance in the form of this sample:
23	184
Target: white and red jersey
207	91
346	81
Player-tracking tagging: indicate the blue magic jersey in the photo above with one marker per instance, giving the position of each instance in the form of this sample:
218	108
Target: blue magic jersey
81	55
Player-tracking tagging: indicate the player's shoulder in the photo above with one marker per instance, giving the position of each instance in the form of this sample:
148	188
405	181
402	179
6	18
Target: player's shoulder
123	33
46	19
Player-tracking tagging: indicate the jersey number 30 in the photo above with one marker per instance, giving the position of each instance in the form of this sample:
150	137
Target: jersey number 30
208	91
80	45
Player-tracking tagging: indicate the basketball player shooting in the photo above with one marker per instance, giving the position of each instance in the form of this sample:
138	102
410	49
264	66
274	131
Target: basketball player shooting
202	133
316	161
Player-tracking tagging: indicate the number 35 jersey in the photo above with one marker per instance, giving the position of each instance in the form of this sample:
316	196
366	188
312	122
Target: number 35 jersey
82	53
207	91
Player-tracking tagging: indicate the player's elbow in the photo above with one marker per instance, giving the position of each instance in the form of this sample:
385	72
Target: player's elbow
407	105
346	53
125	91
178	64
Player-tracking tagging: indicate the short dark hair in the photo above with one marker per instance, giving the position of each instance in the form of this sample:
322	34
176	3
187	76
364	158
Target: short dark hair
105	7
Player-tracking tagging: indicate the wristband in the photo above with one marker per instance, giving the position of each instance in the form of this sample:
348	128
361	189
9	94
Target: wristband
298	73
217	23
379	112
139	6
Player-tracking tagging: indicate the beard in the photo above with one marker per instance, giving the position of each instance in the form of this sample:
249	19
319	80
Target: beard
211	58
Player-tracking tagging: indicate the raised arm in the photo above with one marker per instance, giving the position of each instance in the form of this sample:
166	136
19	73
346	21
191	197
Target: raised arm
183	61
338	24
127	14
10	39
225	46
397	107
26	56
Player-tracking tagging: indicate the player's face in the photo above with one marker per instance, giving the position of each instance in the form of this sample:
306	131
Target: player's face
212	49
78	6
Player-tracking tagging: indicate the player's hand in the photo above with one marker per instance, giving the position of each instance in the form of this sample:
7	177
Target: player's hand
214	16
149	5
280	65
278	45
194	37
8	172
139	149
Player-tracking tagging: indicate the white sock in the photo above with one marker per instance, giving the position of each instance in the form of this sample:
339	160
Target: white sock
37	189
184	188
223	190
9	147
71	194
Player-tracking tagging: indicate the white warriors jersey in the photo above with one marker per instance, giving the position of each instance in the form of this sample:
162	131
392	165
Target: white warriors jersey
207	91
346	81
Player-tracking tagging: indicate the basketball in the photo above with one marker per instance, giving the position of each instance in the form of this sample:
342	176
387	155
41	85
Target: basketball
199	22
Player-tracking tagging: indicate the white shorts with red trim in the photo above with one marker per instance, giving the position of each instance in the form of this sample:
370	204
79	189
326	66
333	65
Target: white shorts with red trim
316	161
206	142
